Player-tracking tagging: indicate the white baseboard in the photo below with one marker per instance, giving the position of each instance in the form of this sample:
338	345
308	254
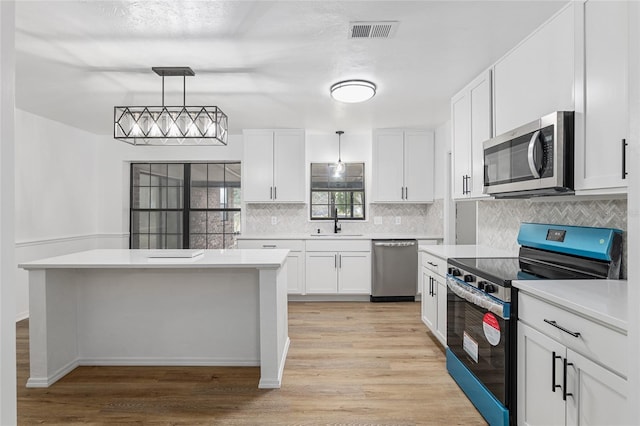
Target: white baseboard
187	362
22	316
45	382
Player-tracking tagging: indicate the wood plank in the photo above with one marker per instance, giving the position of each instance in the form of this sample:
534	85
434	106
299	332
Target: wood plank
349	363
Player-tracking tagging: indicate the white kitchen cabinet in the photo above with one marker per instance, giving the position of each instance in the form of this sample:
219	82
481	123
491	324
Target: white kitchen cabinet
403	164
338	267
471	121
602	121
295	260
537	76
471	126
434	295
570	369
273	166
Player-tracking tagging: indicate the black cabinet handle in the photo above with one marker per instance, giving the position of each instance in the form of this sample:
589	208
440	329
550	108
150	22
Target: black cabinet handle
406	193
565	394
556	325
271	192
553	371
624	158
275	192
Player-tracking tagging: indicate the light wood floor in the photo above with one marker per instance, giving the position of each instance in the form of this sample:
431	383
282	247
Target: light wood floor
349	363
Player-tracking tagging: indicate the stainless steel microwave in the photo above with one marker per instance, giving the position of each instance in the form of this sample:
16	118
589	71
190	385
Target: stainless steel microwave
533	160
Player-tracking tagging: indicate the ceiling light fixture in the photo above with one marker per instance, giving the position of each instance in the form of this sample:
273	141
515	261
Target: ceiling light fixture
339	165
171	125
352	91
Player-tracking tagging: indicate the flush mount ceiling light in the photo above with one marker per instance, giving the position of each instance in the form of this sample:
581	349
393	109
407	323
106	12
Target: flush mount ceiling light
171	125
352	91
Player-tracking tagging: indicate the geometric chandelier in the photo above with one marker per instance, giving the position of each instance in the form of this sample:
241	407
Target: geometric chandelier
171	125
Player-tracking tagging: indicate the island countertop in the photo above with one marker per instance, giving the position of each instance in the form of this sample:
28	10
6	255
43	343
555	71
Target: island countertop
124	258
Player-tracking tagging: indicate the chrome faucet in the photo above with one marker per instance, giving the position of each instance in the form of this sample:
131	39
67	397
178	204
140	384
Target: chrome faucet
336	228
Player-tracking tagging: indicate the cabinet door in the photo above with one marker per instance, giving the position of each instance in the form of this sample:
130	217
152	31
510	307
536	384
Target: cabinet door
460	143
257	167
537	77
598	161
418	166
321	272
289	166
388	175
441	329
295	273
354	273
429	301
537	403
480	100
598	395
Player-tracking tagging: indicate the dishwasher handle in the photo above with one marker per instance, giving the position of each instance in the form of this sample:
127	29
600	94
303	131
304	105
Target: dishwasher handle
395	244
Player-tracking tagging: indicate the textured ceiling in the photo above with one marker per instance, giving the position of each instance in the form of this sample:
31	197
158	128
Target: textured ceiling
264	63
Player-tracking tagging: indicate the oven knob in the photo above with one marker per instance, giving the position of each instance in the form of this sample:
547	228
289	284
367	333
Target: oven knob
454	271
481	285
469	278
490	288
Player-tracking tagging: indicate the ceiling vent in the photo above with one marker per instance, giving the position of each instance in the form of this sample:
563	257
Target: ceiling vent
372	29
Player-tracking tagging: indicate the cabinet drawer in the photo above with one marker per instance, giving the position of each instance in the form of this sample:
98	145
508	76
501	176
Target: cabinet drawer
293	245
434	263
338	245
597	342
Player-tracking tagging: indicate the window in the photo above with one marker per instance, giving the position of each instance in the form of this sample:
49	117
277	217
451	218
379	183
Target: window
333	192
184	205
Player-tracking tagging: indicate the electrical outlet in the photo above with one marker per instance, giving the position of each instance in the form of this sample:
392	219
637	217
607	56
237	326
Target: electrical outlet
398	220
274	220
377	220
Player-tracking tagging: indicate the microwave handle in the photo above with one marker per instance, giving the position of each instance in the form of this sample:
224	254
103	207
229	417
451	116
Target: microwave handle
532	161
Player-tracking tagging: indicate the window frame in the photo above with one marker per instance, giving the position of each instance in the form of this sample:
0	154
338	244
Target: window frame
186	208
332	191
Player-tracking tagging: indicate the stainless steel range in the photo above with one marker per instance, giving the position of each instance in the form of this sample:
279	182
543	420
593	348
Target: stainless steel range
481	308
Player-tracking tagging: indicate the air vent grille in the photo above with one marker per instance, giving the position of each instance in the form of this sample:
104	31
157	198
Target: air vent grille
369	29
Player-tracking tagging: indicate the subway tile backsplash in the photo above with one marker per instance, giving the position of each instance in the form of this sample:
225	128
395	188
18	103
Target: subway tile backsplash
499	220
418	219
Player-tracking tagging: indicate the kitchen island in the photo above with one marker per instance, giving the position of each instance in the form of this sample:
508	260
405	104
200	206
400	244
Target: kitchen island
128	307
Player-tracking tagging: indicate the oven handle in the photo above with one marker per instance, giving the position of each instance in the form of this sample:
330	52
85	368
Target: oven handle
530	155
477	297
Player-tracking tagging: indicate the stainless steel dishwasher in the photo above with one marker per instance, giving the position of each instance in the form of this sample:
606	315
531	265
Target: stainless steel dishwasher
394	270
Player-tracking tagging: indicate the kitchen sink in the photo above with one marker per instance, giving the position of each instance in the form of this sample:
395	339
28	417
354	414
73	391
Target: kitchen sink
336	235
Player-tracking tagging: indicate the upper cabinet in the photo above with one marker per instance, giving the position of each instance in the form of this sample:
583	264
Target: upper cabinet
403	164
470	127
273	166
602	116
537	77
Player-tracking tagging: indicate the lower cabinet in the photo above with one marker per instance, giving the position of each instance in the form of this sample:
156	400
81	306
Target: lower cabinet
557	385
295	259
346	271
434	296
338	272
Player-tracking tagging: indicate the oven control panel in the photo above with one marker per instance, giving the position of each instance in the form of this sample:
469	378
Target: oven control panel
496	290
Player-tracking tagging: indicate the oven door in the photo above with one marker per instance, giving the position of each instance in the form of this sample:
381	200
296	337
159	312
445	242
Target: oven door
478	335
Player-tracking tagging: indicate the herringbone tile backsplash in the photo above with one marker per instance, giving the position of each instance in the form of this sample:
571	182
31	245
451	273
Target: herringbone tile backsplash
499	220
418	219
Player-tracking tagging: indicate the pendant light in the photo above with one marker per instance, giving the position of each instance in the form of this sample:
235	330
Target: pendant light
339	165
171	125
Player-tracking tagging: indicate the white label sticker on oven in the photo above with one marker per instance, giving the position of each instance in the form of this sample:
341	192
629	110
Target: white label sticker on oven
491	328
470	346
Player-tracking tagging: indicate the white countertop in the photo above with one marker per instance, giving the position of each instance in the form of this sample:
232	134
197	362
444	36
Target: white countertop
465	250
602	300
122	258
342	235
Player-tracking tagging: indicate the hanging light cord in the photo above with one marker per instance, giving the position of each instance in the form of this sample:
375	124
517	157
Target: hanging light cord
339	133
184	90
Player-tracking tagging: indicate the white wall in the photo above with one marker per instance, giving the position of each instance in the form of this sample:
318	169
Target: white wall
113	158
56	194
442	147
8	413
